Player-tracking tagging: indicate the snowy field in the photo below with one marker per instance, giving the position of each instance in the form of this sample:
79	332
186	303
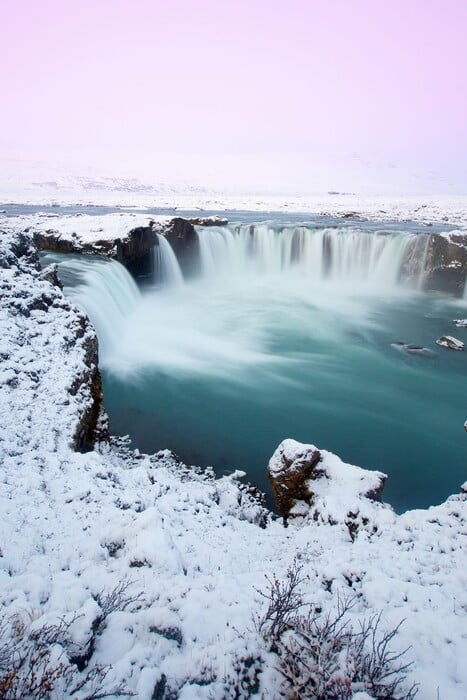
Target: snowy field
155	569
43	185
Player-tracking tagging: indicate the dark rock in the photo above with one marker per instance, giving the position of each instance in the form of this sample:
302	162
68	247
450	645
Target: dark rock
93	425
208	221
135	250
183	238
53	242
289	474
173	634
376	493
159	689
446	264
413	349
49	274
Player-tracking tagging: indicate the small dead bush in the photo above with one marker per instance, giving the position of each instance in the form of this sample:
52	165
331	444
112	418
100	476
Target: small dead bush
325	657
36	663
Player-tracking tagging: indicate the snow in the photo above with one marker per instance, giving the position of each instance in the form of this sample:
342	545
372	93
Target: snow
451	210
448	341
43	184
82	228
193	550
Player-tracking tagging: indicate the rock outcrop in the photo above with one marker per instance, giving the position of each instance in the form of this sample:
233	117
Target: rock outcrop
92	424
182	236
446	263
54	341
132	246
134	251
308	482
289	471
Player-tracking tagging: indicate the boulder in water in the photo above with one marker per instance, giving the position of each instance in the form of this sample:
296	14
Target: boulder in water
447	341
460	322
413	349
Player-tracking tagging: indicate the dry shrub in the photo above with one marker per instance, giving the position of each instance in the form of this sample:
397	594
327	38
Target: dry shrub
325	656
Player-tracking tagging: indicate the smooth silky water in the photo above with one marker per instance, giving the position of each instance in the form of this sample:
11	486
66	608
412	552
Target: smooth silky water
285	333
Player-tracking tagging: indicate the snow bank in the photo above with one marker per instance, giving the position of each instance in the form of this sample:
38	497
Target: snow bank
82	229
185	553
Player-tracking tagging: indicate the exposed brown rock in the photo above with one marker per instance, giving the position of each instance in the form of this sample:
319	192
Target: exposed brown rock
376	493
289	478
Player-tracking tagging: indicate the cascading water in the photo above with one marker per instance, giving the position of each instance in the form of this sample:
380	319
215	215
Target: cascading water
104	290
379	258
166	269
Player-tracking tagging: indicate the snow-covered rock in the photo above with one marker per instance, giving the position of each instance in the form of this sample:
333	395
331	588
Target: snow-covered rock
448	341
315	484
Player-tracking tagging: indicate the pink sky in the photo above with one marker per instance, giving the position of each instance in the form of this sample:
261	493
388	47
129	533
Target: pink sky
129	81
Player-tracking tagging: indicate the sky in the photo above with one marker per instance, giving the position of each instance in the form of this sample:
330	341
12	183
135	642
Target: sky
260	93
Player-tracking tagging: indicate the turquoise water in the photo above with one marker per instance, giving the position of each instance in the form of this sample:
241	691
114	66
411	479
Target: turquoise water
233	373
264	346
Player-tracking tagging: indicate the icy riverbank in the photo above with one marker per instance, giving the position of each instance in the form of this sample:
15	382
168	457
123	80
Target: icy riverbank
194	550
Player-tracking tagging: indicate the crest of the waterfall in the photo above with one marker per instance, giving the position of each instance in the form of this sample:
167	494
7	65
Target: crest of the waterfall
221	251
166	269
342	255
105	291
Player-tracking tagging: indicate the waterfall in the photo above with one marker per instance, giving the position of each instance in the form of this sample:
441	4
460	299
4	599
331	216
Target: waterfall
165	264
377	258
220	250
104	290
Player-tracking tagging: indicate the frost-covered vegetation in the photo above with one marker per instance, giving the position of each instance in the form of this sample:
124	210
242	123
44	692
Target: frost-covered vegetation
129	573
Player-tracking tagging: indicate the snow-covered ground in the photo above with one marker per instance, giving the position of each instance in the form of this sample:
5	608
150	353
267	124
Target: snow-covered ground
191	552
81	228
